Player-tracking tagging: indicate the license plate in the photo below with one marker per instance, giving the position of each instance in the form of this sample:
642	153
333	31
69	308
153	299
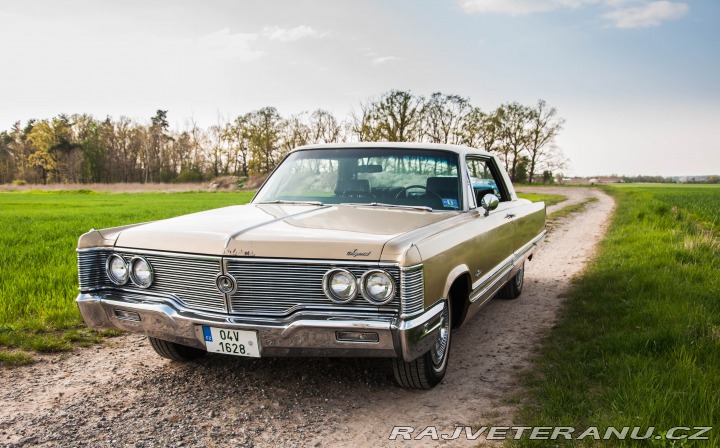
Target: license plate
231	342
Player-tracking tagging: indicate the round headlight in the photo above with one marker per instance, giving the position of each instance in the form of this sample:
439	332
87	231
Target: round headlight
117	269
340	285
378	287
141	272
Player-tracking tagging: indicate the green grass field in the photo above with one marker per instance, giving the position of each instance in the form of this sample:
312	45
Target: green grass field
38	275
549	199
638	342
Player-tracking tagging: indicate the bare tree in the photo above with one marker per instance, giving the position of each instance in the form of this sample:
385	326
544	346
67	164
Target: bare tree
395	117
324	127
443	118
364	123
296	131
513	119
481	130
544	126
264	127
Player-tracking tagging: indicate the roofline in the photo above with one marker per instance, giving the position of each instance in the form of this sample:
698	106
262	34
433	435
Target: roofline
459	149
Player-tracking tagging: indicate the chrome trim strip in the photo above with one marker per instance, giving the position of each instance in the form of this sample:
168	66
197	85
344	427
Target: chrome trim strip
416	267
95	249
475	295
492	274
530	246
505	266
310	261
151	252
144	296
243	259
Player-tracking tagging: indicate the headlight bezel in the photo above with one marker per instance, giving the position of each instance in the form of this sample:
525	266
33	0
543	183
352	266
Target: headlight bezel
330	294
369	297
109	273
133	276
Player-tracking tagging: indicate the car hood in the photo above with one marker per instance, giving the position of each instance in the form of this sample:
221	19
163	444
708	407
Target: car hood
333	232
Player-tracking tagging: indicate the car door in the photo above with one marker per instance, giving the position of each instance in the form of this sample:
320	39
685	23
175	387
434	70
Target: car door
490	250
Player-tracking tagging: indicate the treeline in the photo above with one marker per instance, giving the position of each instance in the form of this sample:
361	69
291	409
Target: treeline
83	149
714	179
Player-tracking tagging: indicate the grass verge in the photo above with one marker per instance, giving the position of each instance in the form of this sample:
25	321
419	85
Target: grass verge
549	199
38	279
638	341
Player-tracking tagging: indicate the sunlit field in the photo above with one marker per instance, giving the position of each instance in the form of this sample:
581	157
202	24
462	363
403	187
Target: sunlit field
38	274
638	342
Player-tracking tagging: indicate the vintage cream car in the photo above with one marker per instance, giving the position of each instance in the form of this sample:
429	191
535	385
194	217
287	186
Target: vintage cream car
373	249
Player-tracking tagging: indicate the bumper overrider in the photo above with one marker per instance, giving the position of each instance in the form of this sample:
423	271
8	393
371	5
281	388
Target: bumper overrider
304	333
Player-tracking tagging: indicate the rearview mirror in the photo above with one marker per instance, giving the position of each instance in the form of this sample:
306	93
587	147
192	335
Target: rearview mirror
489	202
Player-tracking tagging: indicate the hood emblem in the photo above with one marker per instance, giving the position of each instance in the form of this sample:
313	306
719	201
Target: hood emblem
225	283
355	253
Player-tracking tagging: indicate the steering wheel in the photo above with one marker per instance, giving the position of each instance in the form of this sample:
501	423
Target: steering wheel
427	190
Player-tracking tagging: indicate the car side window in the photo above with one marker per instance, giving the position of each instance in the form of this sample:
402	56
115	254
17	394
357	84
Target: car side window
485	178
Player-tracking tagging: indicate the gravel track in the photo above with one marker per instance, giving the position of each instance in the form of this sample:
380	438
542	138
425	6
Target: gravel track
122	394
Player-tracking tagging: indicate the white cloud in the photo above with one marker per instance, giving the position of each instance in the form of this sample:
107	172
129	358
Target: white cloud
650	14
226	45
518	7
384	59
290	34
623	13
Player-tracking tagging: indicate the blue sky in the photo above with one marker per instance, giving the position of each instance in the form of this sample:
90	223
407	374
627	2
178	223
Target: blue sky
635	80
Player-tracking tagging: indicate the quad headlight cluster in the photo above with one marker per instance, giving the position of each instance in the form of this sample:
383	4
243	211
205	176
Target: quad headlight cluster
138	270
376	286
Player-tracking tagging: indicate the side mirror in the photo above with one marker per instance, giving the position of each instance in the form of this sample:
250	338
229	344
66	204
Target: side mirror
489	202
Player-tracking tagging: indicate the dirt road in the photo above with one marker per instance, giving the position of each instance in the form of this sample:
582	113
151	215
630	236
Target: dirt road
122	394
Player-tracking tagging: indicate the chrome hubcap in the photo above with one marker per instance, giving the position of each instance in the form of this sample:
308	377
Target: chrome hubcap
519	278
439	349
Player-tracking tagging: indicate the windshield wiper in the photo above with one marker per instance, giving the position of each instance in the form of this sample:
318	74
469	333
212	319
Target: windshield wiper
280	201
382	204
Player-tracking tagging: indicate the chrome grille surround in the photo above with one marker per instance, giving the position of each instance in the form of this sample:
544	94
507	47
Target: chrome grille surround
271	288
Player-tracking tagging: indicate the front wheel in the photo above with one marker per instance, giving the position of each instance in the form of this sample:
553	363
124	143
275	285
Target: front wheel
174	351
429	369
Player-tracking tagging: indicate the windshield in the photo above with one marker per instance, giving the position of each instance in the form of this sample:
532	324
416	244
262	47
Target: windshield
406	177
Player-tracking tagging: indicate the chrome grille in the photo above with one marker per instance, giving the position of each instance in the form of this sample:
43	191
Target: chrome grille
190	280
91	269
265	287
412	290
280	288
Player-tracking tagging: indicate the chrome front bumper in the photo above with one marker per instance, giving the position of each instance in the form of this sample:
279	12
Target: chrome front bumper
304	333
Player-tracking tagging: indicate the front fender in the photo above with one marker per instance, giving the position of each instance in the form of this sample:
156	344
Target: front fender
454	274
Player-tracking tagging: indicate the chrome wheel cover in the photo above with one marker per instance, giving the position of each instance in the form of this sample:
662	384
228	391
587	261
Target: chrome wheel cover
520	278
438	352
